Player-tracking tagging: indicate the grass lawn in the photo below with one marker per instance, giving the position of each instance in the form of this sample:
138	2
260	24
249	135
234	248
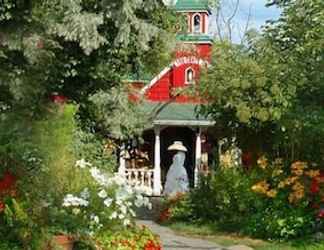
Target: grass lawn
211	233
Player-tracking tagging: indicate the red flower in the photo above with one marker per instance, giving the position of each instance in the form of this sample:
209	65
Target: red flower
165	215
58	99
150	245
2	206
321	214
314	186
7	182
247	159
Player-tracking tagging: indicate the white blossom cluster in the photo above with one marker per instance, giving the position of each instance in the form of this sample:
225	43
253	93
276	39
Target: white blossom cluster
117	197
73	201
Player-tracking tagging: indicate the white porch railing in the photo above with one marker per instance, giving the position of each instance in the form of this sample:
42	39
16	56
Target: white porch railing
143	178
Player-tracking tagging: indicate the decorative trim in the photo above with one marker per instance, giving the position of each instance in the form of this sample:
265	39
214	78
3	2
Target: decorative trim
198	42
198	123
155	79
193	11
176	63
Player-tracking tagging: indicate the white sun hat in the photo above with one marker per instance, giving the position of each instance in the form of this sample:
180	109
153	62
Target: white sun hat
178	146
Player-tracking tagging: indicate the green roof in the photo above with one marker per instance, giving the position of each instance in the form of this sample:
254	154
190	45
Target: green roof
176	113
187	5
194	38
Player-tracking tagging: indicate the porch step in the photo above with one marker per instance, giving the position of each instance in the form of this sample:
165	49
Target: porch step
154	213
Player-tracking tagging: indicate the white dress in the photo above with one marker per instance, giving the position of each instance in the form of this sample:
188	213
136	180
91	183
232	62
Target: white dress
177	177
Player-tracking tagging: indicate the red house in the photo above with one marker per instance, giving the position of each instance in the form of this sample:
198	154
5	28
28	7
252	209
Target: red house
176	117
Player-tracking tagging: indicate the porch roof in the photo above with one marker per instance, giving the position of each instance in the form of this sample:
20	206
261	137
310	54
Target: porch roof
177	114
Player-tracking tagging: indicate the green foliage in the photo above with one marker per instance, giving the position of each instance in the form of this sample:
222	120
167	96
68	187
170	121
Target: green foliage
252	91
230	200
281	221
112	111
227	199
18	228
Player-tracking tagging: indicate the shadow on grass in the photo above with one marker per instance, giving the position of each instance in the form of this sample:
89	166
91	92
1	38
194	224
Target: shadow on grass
213	233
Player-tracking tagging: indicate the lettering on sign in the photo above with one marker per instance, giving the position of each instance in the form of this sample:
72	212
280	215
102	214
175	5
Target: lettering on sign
189	60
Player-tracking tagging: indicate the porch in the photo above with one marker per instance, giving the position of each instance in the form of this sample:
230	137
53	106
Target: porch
176	122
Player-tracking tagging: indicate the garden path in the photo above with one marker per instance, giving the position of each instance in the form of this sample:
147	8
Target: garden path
171	241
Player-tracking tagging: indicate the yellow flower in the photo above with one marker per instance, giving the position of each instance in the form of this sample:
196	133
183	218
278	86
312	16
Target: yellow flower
298	165
272	193
282	184
278	162
313	173
262	162
277	172
261	187
291	180
298	187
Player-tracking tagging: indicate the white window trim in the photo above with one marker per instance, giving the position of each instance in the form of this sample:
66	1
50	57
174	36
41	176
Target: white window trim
193	23
206	24
193	76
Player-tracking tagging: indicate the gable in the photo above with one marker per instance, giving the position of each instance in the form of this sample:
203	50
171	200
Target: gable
173	76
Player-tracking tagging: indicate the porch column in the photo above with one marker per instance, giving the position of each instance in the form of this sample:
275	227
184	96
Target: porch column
157	186
122	161
198	156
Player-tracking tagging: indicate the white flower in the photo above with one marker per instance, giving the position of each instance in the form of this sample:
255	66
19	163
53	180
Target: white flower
108	202
100	178
73	201
82	163
119	180
114	215
139	201
123	209
121	216
122	194
95	218
132	212
146	201
102	194
127	222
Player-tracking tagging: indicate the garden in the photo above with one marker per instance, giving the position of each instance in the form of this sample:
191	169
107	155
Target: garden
65	111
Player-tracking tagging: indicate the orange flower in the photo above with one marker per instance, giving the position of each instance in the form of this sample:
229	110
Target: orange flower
261	187
262	162
298	167
312	173
272	193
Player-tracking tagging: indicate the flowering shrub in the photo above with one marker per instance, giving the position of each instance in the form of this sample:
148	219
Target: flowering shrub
132	238
109	201
177	207
290	195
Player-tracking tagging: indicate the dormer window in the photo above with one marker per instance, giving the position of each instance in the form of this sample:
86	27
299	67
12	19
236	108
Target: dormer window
190	76
197	23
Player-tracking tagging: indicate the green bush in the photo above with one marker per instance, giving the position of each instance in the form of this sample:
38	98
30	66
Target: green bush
280	221
227	200
225	197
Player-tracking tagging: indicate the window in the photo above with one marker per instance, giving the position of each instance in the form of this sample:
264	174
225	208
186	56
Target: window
190	75
196	23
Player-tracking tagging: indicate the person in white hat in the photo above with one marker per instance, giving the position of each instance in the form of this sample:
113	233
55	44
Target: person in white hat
177	177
